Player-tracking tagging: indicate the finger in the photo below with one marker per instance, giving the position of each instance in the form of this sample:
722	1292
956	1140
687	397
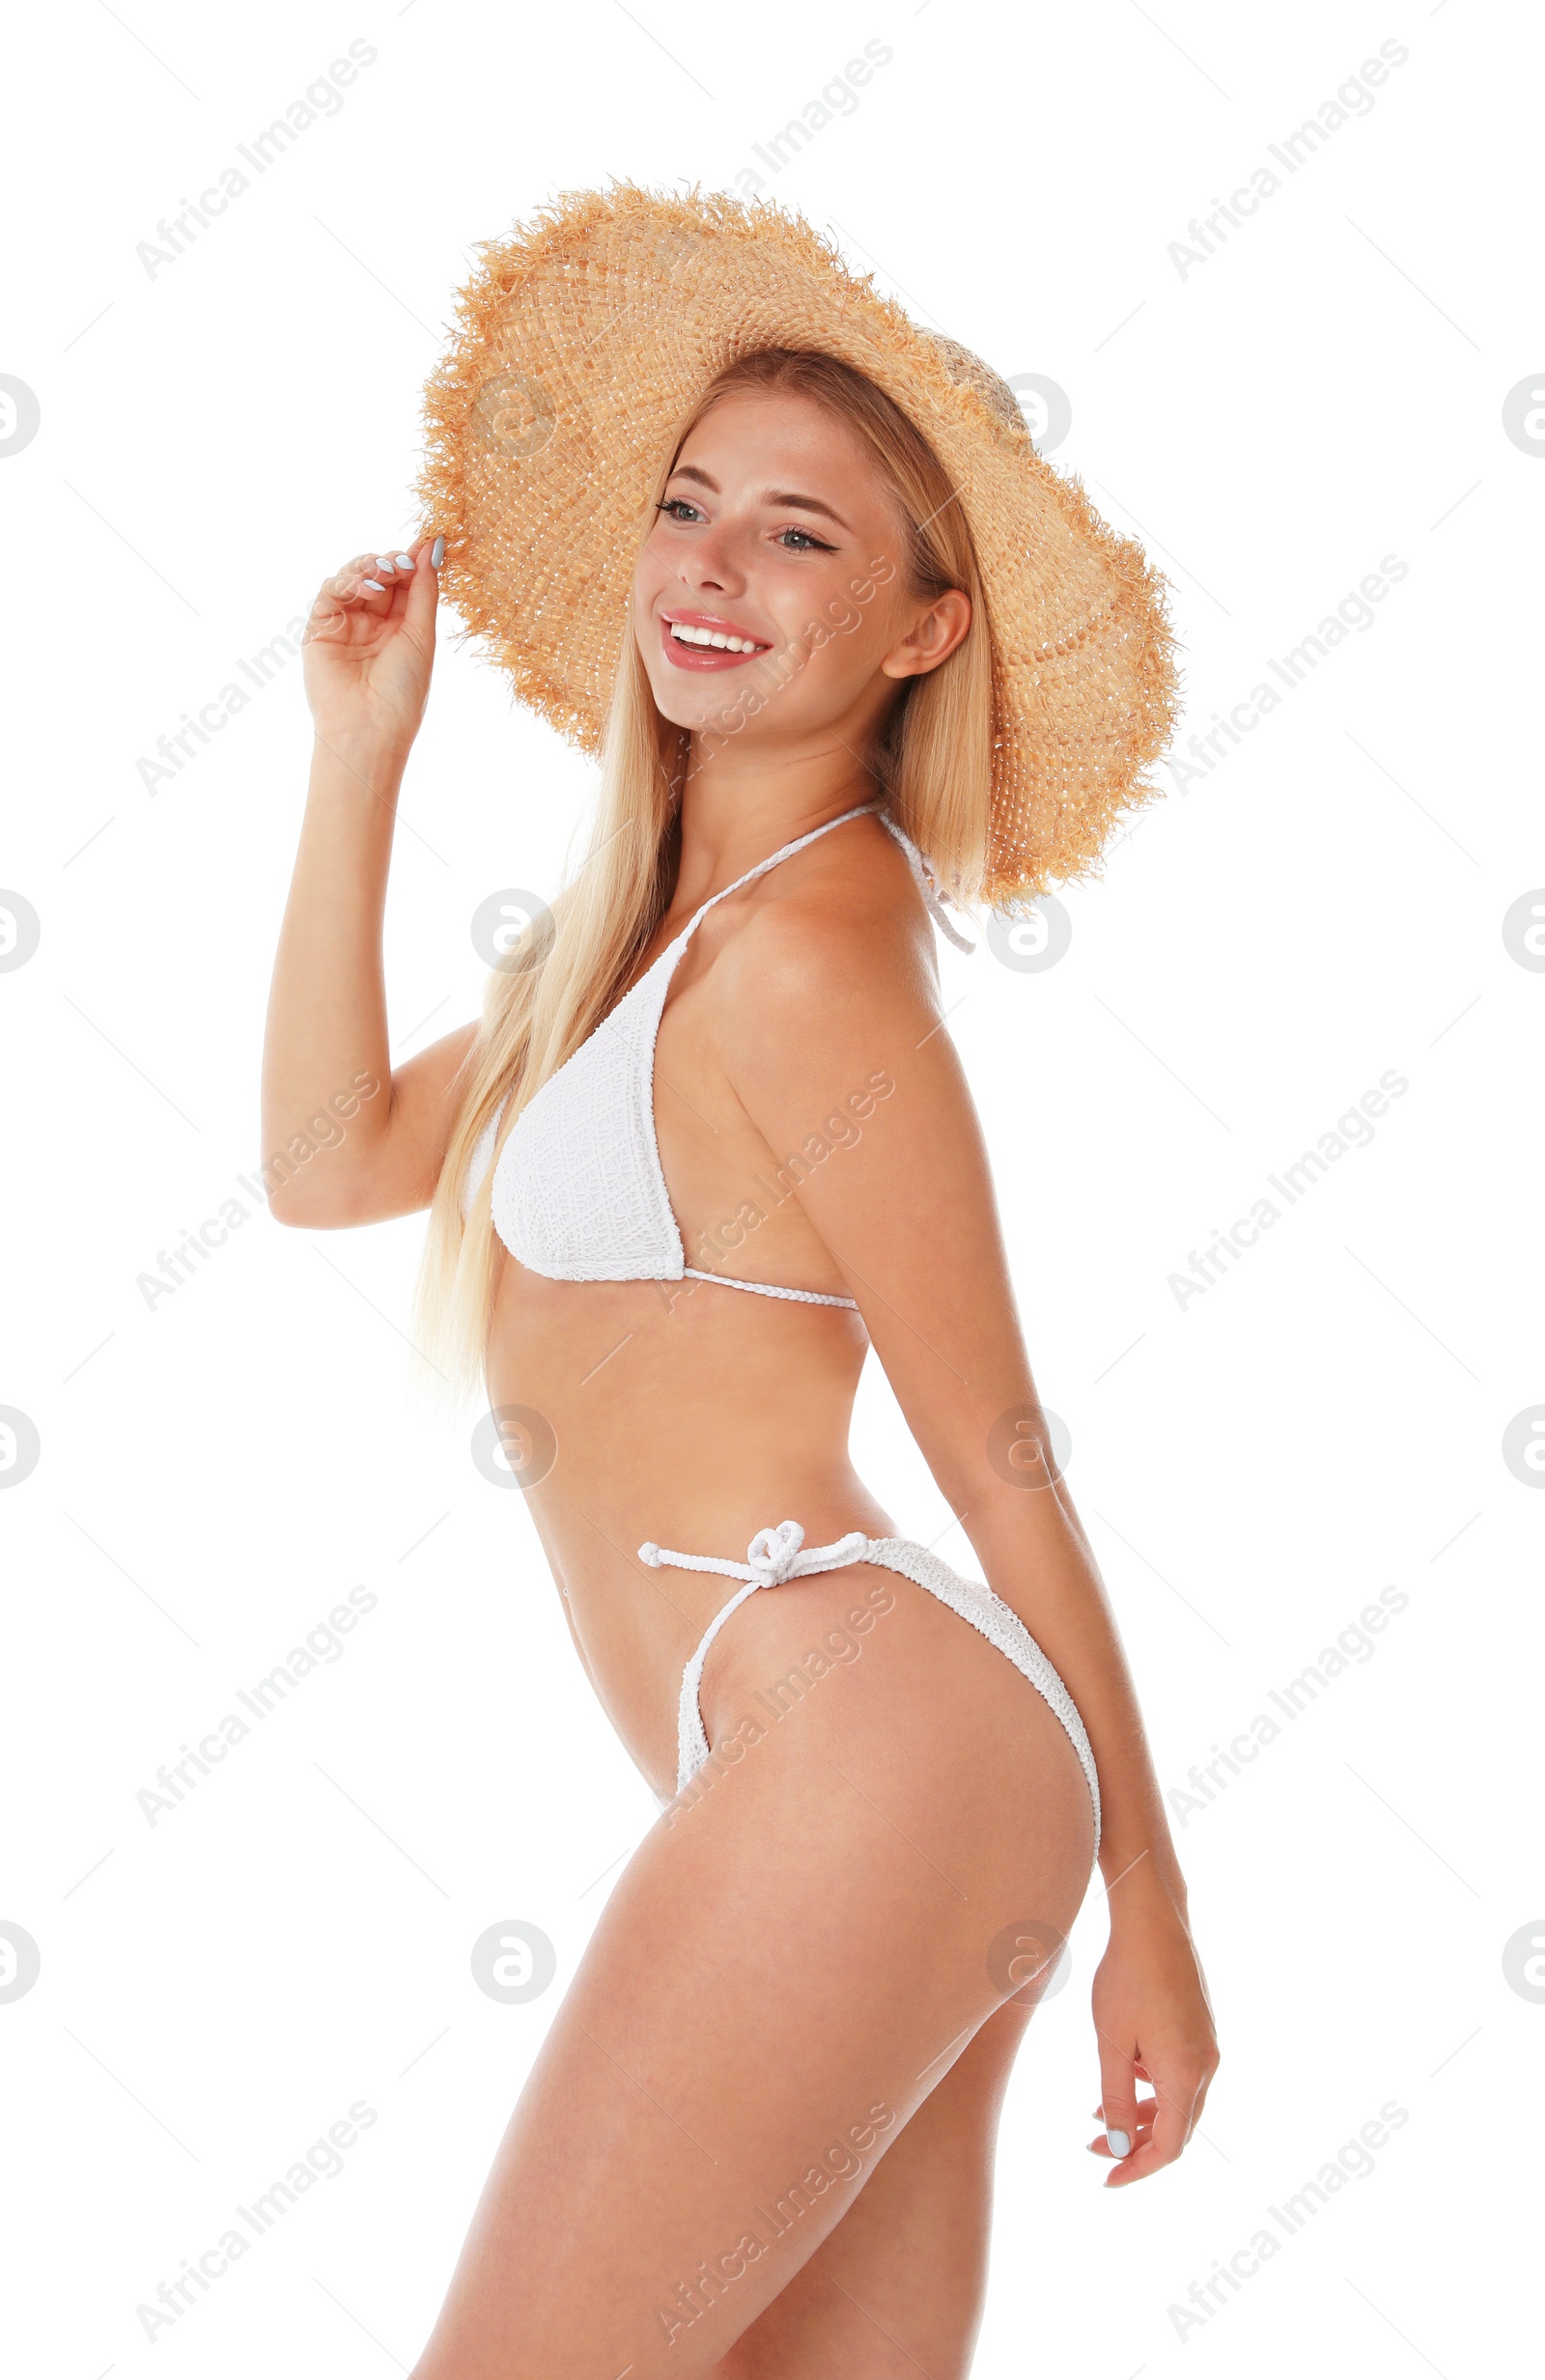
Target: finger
1119	2094
1145	2107
1172	2129
1140	2133
384	575
1099	2146
366	582
395	567
1200	2100
422	590
327	621
346	574
338	597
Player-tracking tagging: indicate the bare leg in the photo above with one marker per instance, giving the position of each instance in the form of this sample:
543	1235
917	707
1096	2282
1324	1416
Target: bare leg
786	1973
899	2284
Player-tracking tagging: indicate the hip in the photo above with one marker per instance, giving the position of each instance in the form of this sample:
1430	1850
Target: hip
937	1688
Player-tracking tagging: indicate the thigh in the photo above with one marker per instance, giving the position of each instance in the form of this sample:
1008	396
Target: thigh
789	1966
898	2285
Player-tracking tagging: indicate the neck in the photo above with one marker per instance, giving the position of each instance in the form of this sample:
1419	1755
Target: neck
739	806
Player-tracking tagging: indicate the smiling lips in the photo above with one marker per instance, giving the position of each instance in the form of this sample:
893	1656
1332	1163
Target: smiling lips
697	640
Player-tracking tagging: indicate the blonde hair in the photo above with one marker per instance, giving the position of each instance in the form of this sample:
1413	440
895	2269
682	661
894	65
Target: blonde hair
932	764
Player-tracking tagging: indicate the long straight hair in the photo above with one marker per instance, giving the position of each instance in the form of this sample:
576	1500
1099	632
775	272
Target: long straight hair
932	764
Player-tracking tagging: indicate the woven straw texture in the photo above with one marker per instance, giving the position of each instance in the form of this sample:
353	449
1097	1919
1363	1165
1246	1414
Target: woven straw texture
580	343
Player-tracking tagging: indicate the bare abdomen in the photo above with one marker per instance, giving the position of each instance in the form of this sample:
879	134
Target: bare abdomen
681	1413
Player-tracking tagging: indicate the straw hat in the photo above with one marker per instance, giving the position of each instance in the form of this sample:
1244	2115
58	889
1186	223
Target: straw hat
581	341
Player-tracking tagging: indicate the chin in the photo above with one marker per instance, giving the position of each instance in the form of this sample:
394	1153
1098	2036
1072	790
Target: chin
692	704
687	708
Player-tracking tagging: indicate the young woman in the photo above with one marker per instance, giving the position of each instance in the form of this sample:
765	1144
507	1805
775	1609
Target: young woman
710	1144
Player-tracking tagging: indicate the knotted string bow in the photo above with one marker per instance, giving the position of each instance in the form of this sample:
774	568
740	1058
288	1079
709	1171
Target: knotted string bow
773	1555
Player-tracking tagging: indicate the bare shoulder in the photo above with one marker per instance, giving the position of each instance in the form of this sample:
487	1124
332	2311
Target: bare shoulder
842	940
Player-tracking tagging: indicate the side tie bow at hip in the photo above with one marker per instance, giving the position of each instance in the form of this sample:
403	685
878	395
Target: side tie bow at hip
773	1555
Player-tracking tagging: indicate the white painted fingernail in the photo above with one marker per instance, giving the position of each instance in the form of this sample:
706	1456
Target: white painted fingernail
1120	2142
436	555
374	585
381	564
404	561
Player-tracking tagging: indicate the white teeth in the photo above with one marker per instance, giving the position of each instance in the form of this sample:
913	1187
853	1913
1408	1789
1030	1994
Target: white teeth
717	637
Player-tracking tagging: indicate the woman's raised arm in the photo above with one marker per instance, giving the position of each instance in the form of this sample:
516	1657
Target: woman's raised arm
343	1139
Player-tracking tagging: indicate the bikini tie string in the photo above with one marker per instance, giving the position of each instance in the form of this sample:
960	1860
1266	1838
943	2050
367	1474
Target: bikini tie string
773	1555
928	885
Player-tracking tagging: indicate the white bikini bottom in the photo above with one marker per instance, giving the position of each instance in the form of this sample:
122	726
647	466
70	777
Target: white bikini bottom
775	1554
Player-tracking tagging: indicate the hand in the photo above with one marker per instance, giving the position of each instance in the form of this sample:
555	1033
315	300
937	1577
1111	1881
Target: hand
1155	2023
368	655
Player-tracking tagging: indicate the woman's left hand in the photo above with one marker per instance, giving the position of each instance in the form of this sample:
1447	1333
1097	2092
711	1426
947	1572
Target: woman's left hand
1155	2024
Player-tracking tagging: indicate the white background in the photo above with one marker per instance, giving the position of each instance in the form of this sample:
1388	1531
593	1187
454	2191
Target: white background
1325	905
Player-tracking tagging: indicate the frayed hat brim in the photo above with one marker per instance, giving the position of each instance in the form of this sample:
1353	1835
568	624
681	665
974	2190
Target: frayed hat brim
580	342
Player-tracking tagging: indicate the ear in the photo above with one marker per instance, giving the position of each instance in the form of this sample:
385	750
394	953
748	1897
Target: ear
932	637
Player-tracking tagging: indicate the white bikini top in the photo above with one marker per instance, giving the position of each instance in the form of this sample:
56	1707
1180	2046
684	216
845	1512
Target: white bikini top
579	1192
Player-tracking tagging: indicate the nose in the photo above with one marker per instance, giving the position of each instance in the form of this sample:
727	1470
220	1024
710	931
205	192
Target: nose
715	561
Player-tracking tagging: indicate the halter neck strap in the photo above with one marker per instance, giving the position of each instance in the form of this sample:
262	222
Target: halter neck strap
933	899
863	810
927	885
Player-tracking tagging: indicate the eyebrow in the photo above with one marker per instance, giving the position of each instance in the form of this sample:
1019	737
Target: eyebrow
770	496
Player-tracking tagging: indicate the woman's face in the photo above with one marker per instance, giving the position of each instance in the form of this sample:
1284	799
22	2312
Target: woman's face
779	540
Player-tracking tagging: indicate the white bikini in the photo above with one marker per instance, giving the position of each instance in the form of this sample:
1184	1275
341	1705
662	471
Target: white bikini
580	1194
